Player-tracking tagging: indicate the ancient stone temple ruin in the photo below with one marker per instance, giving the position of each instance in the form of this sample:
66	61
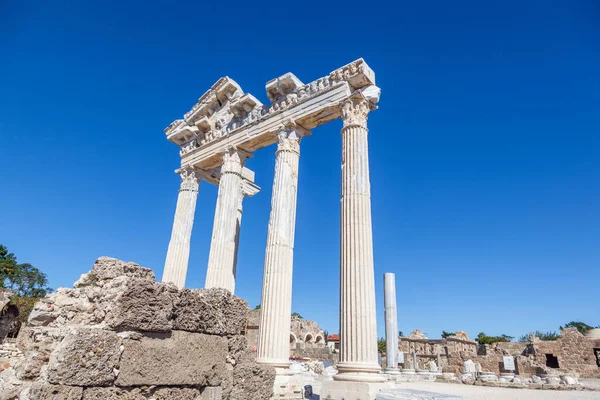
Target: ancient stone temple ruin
119	334
216	137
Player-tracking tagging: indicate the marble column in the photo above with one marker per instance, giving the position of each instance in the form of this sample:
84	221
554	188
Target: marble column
358	326
276	304
178	253
223	246
391	323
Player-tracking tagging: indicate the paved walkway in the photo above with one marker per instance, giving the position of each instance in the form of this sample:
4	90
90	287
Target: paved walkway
469	392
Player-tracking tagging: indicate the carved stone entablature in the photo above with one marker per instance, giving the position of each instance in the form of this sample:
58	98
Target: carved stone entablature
179	132
224	116
282	86
357	74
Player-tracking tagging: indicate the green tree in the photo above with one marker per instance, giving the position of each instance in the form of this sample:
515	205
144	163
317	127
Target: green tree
545	336
447	334
482	338
29	283
8	266
581	326
401	334
296	315
257	307
326	333
381	345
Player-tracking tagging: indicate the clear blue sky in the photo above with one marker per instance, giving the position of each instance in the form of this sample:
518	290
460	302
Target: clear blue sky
485	164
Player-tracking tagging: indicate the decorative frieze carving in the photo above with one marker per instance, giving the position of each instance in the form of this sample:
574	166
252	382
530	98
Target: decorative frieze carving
225	109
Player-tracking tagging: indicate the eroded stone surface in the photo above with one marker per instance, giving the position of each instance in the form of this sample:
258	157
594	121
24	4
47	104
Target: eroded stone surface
74	343
85	357
40	391
252	381
143	305
111	393
182	358
214	311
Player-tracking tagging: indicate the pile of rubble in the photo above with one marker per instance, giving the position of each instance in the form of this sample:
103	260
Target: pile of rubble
119	334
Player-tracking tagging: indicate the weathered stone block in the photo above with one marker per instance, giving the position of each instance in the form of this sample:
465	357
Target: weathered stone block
252	381
181	358
106	268
238	350
212	393
36	343
143	305
85	357
177	394
214	311
40	391
111	393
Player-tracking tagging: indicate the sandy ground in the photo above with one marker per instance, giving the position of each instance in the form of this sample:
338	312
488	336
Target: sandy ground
469	392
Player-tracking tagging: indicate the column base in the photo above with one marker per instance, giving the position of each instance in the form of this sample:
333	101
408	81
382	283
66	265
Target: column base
278	364
391	371
359	372
353	390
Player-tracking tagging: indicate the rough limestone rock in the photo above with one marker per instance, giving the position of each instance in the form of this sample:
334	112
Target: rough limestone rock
37	344
214	311
143	305
182	358
85	357
111	393
238	349
569	380
10	385
467	379
107	268
121	335
40	391
98	293
145	393
252	381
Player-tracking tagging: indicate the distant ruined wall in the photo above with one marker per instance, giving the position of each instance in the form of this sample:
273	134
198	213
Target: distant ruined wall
573	351
306	338
119	334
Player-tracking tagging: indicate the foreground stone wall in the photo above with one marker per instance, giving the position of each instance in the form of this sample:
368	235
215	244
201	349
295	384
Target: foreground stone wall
119	334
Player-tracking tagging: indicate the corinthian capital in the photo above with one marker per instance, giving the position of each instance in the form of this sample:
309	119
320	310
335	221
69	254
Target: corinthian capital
233	160
355	112
190	179
289	137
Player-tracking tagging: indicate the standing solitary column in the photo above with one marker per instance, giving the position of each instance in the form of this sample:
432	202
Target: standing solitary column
391	323
223	246
358	326
276	304
178	253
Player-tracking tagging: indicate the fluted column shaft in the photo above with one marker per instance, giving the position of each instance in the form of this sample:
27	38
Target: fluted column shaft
391	322
358	326
178	253
223	247
276	304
